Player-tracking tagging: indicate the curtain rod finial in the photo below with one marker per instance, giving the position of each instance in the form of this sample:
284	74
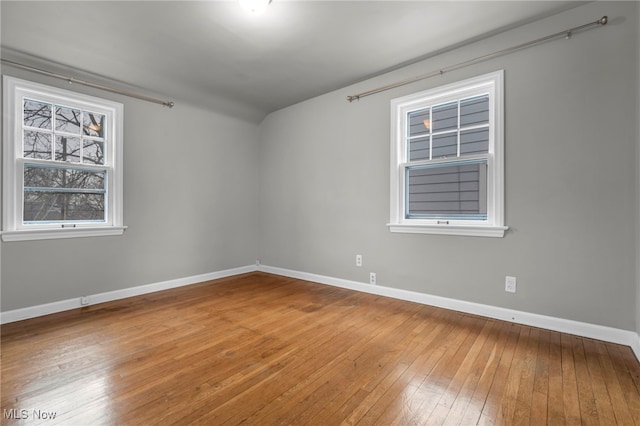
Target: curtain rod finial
603	20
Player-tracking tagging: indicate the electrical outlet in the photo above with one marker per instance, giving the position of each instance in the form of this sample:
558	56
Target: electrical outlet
358	260
84	300
372	278
510	284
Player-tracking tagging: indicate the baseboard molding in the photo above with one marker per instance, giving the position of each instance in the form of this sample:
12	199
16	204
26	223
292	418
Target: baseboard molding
65	305
592	331
635	345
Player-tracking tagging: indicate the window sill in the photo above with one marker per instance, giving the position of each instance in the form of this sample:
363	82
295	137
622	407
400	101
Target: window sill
54	234
465	230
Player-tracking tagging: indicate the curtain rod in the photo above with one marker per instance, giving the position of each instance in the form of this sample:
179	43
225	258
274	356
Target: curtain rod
169	104
567	34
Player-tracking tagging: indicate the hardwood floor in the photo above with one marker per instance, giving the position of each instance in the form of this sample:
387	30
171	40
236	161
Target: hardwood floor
260	349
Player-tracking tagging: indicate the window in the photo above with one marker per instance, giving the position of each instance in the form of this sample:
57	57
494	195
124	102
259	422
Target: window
447	162
62	163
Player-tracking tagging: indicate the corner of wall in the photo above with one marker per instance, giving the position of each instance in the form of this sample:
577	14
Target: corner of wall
638	171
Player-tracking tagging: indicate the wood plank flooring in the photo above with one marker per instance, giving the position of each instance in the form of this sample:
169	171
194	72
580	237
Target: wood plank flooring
260	349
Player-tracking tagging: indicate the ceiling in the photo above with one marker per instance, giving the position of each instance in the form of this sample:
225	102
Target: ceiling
216	55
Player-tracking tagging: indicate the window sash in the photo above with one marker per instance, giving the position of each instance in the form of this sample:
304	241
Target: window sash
89	182
443	191
458	124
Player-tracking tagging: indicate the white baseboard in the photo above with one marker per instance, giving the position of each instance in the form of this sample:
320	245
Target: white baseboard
65	305
592	331
635	345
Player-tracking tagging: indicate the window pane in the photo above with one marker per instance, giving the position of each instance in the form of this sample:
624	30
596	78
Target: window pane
93	124
445	145
456	191
68	120
56	177
65	206
68	149
419	149
445	117
419	122
93	152
37	114
474	111
37	145
474	141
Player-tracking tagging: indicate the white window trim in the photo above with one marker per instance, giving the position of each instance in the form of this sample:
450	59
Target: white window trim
12	195
494	225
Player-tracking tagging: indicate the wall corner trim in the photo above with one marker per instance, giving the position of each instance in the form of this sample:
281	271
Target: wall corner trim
592	331
65	305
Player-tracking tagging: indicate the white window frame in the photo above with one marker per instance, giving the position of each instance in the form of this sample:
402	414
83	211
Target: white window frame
493	226
13	227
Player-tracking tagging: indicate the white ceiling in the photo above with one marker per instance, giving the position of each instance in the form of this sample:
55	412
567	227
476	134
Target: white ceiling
216	55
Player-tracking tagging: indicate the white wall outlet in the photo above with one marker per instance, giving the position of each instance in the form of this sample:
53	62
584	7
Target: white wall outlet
84	300
372	278
358	260
510	284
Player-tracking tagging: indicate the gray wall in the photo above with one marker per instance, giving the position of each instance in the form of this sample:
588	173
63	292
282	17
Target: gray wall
638	175
571	189
189	202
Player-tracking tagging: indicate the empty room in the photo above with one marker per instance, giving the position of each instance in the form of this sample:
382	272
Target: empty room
320	212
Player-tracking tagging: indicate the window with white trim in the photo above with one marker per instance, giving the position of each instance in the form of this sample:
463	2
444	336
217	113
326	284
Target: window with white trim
62	161
447	166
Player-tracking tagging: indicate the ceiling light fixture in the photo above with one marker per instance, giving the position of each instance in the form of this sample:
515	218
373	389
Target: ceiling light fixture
255	6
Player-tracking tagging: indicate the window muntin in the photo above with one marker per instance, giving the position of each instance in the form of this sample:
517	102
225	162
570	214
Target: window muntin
63	159
446	165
